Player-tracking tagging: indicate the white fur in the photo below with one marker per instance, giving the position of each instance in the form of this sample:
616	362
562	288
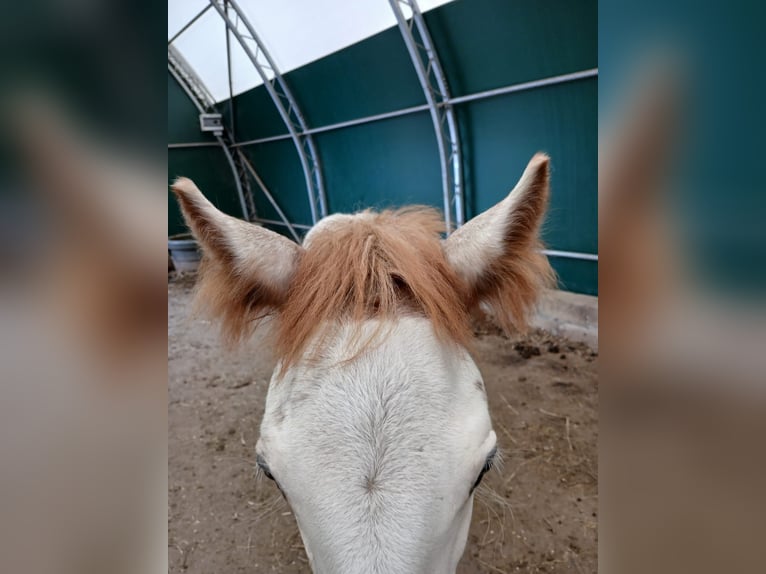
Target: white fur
257	250
377	456
263	253
473	247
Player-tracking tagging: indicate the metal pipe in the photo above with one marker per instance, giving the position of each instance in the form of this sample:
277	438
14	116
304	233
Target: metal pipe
191	144
424	107
263	140
281	223
526	86
233	166
455	158
340	125
186	27
433	109
571	255
368	119
232	129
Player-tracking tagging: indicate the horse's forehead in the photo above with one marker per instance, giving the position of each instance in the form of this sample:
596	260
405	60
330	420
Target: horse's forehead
334	221
409	379
397	421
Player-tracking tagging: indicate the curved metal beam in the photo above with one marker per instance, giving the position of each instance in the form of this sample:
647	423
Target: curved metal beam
283	100
200	97
427	65
189	81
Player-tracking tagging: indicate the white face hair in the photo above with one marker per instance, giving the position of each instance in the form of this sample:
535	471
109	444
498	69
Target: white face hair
379	456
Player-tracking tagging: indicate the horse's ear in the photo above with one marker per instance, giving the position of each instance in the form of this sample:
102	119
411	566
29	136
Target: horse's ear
246	269
498	253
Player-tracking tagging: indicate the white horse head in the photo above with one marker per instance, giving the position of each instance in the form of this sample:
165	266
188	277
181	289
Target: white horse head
376	427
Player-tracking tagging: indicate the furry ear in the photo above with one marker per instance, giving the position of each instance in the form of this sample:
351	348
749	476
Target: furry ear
246	269
498	253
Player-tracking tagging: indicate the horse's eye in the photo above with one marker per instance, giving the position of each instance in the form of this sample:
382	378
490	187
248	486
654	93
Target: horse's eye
487	465
261	462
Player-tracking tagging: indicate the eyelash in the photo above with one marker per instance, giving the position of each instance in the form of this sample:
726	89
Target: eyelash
263	467
490	461
487	466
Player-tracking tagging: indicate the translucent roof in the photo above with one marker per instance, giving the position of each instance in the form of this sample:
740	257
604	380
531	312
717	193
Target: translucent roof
295	32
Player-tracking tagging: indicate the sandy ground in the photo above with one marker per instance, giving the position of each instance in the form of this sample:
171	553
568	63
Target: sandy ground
537	513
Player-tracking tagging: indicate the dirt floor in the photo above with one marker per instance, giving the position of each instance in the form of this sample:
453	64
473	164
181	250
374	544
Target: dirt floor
538	513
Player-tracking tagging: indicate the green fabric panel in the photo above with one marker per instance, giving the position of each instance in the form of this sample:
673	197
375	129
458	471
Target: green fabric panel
383	164
485	44
255	115
183	117
503	133
371	77
278	166
576	275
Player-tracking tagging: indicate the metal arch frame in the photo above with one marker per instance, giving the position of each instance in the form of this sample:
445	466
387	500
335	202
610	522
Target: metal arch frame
427	65
203	101
284	101
189	81
199	95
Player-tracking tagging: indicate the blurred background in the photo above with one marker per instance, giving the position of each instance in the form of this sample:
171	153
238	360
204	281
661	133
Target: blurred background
82	288
681	279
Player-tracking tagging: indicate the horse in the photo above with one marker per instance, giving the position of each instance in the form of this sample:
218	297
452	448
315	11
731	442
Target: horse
376	427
